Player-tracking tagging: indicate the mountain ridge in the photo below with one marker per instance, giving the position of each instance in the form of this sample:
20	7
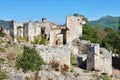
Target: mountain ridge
105	22
4	24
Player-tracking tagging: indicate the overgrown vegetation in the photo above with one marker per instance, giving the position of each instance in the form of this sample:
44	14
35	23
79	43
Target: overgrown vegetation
29	60
90	33
102	77
84	18
2	60
73	60
40	39
2	49
107	37
86	71
1	32
22	39
58	67
3	75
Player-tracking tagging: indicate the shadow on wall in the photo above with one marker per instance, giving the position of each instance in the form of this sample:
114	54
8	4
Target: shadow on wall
116	62
81	63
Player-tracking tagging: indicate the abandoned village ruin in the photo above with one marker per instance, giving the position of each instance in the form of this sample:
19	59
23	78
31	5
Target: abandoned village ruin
63	42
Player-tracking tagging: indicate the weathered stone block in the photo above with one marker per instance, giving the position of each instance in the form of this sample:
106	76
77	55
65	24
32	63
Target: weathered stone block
59	53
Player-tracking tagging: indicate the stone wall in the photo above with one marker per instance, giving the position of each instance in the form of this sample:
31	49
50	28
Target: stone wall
59	53
74	25
106	61
28	30
99	59
31	31
16	30
93	57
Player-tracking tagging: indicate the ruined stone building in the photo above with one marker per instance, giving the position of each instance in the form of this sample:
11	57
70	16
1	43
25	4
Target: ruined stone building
62	42
56	35
99	59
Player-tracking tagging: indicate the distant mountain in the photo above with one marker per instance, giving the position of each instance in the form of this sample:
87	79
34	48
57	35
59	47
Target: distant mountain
4	24
104	22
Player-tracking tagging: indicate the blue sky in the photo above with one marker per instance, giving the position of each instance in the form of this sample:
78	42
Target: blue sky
56	10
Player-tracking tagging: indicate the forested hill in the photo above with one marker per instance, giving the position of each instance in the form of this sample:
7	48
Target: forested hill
105	22
4	24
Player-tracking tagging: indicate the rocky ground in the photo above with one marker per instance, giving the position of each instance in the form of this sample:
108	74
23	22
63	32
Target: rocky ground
47	72
8	70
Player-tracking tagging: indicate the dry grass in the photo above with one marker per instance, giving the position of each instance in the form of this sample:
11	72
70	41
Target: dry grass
11	54
59	67
65	68
84	49
55	65
8	37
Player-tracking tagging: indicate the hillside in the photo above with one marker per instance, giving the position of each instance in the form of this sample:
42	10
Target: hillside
106	21
4	24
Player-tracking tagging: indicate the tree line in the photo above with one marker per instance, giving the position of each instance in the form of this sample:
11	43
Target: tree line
107	37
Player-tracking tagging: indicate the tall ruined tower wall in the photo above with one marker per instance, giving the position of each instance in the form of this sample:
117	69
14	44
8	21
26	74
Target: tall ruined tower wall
74	25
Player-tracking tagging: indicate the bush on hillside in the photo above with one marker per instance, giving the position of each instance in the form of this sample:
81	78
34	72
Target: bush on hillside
40	39
3	75
30	60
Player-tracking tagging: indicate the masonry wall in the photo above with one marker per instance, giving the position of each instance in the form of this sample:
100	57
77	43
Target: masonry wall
106	61
90	57
14	30
59	53
99	59
74	25
52	38
97	62
31	31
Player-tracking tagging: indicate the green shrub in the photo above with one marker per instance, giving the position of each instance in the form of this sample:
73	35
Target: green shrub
3	75
22	39
86	71
105	77
30	60
2	49
102	77
2	34
40	39
1	41
2	60
73	60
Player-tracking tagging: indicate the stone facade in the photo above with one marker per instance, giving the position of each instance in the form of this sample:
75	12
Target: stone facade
60	54
93	57
29	30
90	56
106	61
63	41
74	25
55	35
99	59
